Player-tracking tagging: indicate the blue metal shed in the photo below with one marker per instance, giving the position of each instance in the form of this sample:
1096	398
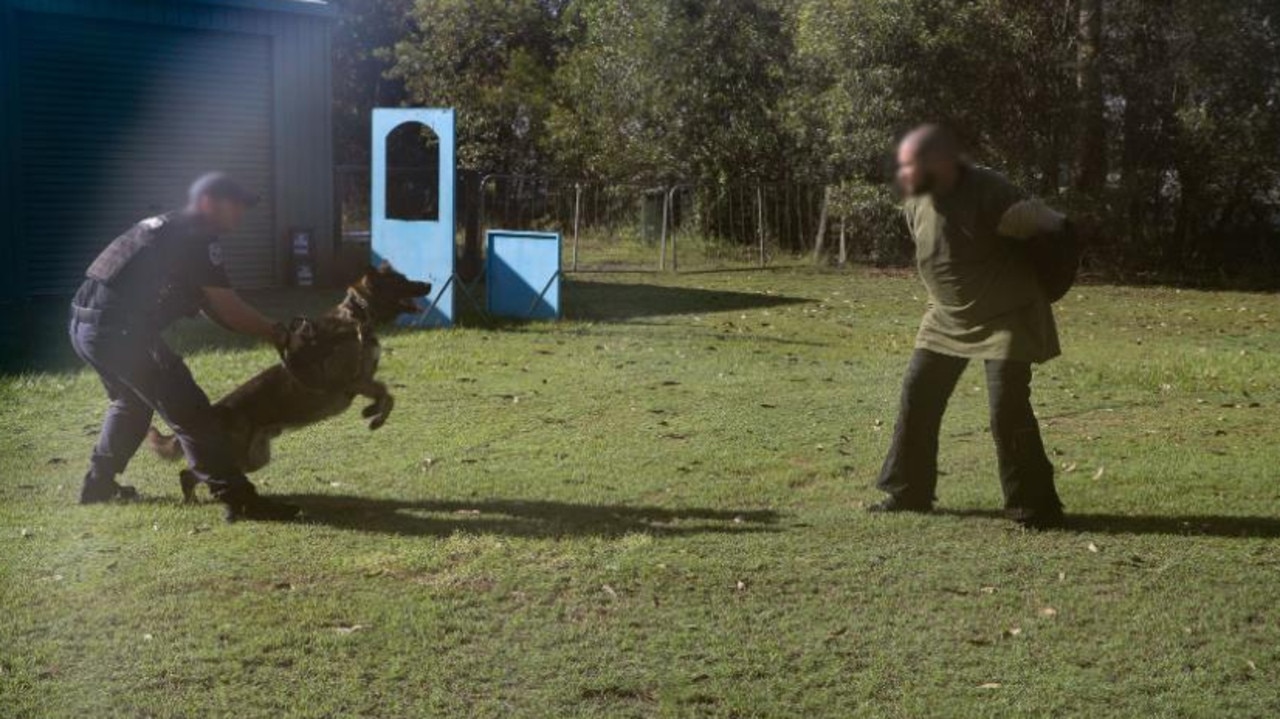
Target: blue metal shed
108	109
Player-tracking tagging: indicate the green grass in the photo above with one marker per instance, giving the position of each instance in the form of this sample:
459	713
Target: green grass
653	508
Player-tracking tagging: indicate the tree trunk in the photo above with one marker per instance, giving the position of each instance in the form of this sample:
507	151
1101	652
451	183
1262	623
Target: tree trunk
822	226
1091	161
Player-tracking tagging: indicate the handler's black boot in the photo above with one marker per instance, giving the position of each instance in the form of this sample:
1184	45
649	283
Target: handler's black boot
1040	519
891	504
97	491
246	503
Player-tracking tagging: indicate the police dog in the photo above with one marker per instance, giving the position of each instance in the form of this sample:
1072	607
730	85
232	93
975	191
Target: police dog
326	363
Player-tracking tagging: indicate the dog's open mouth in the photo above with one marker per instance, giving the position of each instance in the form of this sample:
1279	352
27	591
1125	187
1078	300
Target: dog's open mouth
410	305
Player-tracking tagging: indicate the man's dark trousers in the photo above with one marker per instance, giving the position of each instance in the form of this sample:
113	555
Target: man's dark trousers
910	471
144	377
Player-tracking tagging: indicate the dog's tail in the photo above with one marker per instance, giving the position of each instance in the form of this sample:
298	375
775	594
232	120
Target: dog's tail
164	445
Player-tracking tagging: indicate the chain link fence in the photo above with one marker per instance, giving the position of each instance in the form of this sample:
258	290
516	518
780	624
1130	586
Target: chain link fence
606	227
621	227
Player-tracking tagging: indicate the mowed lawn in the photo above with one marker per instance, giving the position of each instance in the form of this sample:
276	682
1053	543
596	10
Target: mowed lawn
655	508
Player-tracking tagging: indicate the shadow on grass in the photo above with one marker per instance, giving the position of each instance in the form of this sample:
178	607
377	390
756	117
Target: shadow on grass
618	301
538	518
1188	525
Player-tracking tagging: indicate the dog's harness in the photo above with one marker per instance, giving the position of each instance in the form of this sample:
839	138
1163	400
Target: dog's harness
307	363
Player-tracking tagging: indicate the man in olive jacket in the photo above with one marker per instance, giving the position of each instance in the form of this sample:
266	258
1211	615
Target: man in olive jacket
985	303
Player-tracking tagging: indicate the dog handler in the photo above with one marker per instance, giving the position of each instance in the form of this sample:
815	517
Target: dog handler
164	268
985	303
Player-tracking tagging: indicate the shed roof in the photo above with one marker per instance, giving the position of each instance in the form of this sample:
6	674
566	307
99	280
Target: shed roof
307	7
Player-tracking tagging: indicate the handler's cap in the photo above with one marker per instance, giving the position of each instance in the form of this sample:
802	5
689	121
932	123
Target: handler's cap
220	185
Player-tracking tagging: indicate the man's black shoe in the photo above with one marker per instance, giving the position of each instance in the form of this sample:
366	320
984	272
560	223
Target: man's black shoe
251	505
1040	520
97	492
893	504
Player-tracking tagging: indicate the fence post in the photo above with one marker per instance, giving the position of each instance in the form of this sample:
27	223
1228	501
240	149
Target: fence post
577	211
760	219
675	250
662	252
844	254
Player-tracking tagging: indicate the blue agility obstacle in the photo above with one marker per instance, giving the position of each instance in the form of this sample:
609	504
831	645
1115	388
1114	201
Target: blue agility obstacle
522	274
419	246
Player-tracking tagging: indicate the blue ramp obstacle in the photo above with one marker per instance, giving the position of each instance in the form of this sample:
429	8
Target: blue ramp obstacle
419	246
522	274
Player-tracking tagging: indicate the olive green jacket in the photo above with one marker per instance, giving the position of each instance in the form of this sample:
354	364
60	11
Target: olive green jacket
984	299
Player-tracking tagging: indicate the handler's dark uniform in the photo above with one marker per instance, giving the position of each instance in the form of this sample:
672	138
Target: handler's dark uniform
141	283
985	303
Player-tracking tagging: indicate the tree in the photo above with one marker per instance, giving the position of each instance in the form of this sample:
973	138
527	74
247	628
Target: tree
492	60
1092	158
360	82
673	89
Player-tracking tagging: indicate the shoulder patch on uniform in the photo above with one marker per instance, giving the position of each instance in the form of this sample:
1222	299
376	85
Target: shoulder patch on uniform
215	253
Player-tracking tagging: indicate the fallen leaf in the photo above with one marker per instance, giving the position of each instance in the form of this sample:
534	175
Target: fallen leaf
741	586
1093	547
609	590
1048	612
349	628
26	533
1069	467
1011	632
990	685
1098	474
987	590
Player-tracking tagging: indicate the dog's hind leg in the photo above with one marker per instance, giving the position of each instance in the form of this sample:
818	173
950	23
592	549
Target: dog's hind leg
258	453
164	445
383	402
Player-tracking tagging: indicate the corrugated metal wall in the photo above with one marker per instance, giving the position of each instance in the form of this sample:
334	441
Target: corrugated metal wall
295	72
8	157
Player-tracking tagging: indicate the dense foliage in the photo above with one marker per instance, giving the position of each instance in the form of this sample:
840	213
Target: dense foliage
1158	119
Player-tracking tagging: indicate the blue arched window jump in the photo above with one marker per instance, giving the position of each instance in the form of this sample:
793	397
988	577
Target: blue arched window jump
413	181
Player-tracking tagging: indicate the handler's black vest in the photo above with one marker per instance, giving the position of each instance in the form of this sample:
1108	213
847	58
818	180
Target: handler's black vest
139	280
